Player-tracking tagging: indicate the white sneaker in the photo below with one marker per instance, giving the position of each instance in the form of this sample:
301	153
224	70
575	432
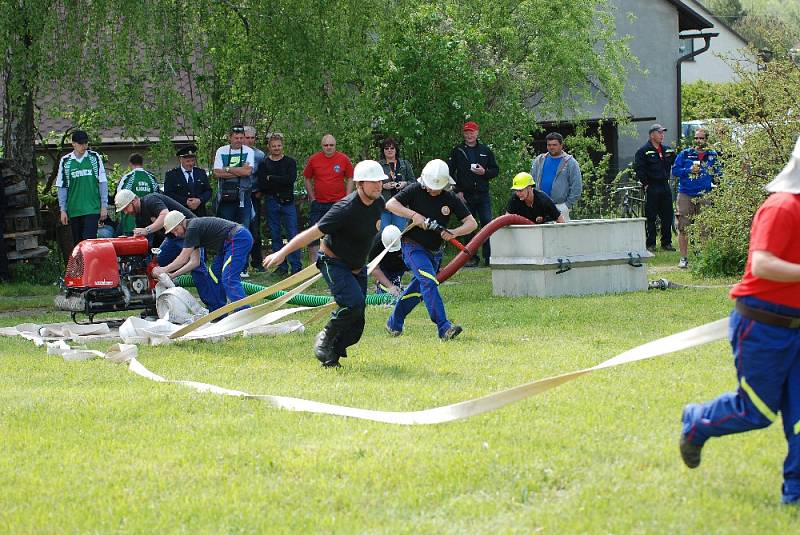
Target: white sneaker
684	263
244	275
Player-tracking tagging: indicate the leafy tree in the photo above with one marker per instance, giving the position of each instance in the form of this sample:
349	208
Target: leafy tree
756	149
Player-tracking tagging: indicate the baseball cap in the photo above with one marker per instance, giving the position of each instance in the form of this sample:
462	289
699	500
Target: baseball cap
656	127
470	126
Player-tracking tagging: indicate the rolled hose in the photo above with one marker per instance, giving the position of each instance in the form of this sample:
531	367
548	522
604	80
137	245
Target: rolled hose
380	299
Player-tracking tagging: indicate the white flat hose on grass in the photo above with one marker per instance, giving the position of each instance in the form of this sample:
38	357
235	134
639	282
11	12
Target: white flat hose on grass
703	334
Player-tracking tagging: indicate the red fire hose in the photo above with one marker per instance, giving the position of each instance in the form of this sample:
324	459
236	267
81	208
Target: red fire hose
468	250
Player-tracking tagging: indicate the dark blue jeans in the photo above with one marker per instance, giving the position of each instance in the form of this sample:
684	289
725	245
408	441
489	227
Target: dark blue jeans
84	227
480	205
233	212
279	214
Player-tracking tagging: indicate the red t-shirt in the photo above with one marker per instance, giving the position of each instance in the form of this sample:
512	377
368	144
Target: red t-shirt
328	175
775	229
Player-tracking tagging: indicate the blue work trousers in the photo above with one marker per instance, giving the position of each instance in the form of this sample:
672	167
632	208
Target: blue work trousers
229	264
210	292
395	277
283	214
349	290
388	218
423	265
767	360
480	206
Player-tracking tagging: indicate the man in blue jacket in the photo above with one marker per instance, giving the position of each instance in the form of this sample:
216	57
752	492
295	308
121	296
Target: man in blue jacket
695	167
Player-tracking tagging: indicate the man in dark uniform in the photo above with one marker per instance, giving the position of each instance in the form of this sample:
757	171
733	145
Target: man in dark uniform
150	212
422	249
653	164
230	240
472	165
349	227
531	203
188	184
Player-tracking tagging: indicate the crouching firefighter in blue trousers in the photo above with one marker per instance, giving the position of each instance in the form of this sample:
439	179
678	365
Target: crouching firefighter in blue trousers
764	333
427	204
231	241
349	228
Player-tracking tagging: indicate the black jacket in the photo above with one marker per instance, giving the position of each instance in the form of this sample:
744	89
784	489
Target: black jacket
176	187
459	164
650	167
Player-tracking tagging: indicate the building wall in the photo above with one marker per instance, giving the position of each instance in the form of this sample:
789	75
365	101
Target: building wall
651	95
709	66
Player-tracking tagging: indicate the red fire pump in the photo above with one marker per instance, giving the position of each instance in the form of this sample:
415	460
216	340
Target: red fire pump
109	275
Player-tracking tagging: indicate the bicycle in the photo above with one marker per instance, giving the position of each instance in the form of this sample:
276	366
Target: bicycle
632	204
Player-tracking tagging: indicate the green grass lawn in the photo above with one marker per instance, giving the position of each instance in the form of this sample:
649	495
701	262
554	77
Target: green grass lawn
90	447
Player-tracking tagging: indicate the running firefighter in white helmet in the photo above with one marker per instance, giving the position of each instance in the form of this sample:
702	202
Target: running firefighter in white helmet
349	228
422	248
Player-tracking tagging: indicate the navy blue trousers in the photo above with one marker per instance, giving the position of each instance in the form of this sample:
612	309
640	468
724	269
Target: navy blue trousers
767	360
349	290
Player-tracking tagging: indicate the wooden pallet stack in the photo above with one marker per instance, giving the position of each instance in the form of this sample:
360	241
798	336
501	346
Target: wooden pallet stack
20	229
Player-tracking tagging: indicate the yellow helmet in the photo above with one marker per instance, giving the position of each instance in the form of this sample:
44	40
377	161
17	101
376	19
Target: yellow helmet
522	181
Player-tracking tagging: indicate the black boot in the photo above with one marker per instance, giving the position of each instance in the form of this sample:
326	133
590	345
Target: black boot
325	347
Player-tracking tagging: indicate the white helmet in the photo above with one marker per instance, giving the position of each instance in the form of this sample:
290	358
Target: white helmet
788	180
368	171
123	198
436	175
173	219
389	237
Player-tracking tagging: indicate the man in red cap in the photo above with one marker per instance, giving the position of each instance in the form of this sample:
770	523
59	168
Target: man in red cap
472	165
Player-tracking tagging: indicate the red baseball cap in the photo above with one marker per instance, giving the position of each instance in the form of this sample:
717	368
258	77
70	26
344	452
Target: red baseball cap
470	126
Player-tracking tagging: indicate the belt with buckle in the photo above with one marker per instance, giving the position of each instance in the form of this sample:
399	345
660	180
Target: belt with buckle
765	316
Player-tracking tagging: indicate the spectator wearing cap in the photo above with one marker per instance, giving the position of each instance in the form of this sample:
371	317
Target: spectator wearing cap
653	164
399	174
187	183
233	167
531	203
82	189
558	174
472	164
329	177
141	183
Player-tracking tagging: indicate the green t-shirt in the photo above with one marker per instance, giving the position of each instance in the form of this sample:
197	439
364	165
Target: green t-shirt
82	178
141	183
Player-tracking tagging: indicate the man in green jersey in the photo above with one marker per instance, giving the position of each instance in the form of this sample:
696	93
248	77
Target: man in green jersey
141	183
82	188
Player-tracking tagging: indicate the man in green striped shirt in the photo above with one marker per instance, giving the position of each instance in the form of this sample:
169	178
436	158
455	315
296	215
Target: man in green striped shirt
82	188
140	182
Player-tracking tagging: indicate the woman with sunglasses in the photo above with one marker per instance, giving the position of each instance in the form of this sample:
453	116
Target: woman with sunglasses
399	175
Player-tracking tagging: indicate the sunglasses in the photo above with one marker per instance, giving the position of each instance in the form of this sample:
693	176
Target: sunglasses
237	130
329	144
699	138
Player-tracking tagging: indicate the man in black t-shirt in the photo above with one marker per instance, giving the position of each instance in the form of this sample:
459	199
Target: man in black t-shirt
349	228
150	212
422	248
277	174
229	240
389	272
531	203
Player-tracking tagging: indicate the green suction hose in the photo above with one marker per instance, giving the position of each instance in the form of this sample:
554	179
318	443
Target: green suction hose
305	300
